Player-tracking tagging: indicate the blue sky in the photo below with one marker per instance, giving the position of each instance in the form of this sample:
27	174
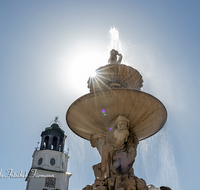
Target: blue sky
48	49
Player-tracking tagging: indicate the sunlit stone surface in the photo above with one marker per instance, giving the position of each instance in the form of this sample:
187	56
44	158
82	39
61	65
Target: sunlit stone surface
92	113
115	76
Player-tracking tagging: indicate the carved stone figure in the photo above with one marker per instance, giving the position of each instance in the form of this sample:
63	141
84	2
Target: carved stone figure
116	138
100	182
98	141
111	183
117	149
141	184
129	184
97	171
113	57
101	188
118	182
125	159
88	187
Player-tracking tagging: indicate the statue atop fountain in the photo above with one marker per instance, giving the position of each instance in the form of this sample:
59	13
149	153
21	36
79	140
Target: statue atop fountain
113	57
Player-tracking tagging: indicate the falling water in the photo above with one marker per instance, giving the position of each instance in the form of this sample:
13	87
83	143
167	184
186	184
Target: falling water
115	42
158	160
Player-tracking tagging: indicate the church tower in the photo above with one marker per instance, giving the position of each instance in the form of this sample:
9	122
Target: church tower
49	164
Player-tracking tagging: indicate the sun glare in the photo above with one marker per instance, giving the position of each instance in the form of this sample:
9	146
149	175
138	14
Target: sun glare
82	66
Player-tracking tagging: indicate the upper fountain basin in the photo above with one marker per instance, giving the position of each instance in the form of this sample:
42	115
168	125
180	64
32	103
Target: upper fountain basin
115	76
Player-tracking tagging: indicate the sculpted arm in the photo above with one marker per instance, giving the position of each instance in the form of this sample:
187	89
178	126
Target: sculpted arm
120	58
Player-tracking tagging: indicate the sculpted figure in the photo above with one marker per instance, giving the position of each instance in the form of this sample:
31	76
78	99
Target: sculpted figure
117	149
113	57
88	187
118	183
100	184
101	188
111	183
141	184
116	138
98	141
124	159
129	184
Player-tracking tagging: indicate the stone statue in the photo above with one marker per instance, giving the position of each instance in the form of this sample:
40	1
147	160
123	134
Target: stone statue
128	183
113	57
117	149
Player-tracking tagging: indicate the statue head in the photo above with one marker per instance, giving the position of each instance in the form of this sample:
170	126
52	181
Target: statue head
113	52
122	125
121	122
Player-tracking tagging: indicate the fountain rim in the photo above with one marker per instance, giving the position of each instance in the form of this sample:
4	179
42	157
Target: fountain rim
121	89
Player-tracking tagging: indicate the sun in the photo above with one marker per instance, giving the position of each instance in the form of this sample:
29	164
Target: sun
82	66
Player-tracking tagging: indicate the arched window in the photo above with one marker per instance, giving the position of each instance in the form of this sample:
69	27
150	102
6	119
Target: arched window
46	142
54	143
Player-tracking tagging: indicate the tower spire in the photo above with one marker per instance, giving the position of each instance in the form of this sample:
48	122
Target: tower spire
56	119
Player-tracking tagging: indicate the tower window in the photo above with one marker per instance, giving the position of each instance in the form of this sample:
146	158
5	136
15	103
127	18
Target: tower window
54	143
40	161
52	161
46	142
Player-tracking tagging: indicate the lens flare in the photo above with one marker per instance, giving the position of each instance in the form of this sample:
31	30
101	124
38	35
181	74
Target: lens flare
104	112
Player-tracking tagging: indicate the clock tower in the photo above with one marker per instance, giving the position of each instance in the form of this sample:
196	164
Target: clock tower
49	164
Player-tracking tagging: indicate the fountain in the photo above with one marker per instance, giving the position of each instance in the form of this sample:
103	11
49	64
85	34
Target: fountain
114	117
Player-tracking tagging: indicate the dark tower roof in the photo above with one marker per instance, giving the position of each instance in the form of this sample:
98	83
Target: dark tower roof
54	129
53	138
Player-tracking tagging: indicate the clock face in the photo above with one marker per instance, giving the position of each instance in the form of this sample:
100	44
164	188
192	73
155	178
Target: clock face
52	161
40	161
50	182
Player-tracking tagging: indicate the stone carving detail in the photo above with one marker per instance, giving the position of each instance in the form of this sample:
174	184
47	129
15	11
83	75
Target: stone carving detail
111	183
113	57
120	182
129	183
141	184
